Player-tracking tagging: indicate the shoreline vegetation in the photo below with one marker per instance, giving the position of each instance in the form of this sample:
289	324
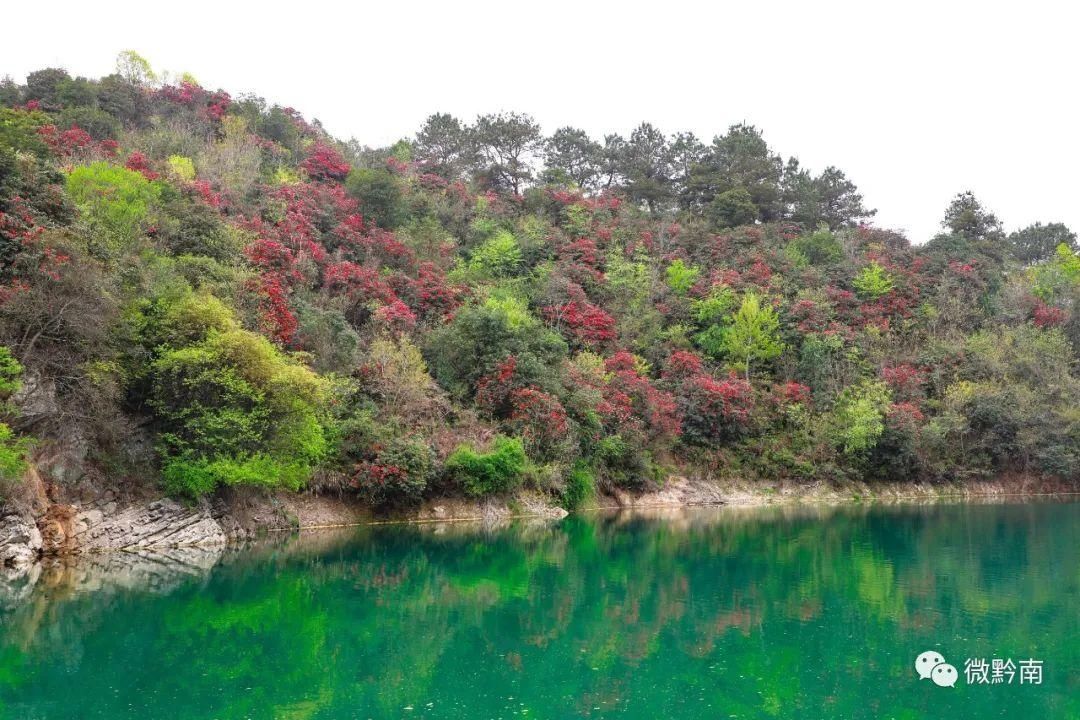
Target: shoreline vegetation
212	312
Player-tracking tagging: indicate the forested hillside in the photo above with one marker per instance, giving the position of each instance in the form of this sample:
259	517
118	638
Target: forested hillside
483	306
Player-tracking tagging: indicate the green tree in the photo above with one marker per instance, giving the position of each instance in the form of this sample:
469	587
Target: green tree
732	208
754	333
681	277
231	408
488	473
873	281
381	197
444	147
506	142
858	417
1038	243
571	154
114	201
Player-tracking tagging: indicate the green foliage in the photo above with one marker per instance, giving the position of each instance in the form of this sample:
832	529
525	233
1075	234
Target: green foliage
732	208
232	408
489	473
10	374
681	277
13	452
1037	243
13	449
1058	276
482	336
873	282
114	201
714	308
580	486
181	167
753	334
858	418
381	197
819	248
19	131
398	474
497	257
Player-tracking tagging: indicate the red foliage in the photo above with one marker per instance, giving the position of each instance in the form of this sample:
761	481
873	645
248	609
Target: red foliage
1047	316
430	294
66	143
278	320
359	283
793	393
493	390
904	380
903	416
709	409
21	232
212	105
538	416
396	318
139	163
579	260
204	190
587	324
324	162
631	399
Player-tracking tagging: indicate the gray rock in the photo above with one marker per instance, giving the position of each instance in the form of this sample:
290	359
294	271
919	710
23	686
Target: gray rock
36	397
20	541
158	524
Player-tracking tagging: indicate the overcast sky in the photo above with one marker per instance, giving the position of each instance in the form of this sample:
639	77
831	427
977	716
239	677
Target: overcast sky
914	101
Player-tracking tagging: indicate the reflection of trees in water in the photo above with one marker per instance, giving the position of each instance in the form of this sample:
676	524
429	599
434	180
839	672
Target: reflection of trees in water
593	612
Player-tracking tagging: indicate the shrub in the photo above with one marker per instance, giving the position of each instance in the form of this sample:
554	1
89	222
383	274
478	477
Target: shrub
859	417
873	282
481	473
114	202
498	256
398	473
381	198
231	408
580	487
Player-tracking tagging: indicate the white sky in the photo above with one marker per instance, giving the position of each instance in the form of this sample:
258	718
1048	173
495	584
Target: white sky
914	101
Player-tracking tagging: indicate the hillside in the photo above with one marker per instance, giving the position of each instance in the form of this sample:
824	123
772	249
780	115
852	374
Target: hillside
201	291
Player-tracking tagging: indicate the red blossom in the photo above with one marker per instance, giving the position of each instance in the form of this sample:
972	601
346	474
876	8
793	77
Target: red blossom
1047	316
586	323
324	162
396	318
139	163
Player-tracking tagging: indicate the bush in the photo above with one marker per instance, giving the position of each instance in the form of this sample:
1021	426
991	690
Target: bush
231	408
488	473
580	487
399	473
114	201
380	195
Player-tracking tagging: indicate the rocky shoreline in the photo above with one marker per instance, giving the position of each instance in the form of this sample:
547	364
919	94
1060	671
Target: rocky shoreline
90	524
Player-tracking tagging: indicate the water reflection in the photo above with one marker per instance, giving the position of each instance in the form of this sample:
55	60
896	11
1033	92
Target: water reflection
775	612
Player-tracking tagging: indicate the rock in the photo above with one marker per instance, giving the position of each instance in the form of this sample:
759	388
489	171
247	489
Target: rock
20	541
161	523
64	461
36	398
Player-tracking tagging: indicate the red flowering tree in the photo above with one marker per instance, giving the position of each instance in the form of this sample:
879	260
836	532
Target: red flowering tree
324	162
709	409
588	325
539	418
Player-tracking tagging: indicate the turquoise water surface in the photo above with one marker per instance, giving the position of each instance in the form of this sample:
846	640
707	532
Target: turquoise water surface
706	613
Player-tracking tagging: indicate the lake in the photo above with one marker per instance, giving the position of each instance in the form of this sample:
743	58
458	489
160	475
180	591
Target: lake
701	613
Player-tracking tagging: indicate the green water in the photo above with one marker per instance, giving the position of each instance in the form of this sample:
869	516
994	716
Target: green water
711	613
